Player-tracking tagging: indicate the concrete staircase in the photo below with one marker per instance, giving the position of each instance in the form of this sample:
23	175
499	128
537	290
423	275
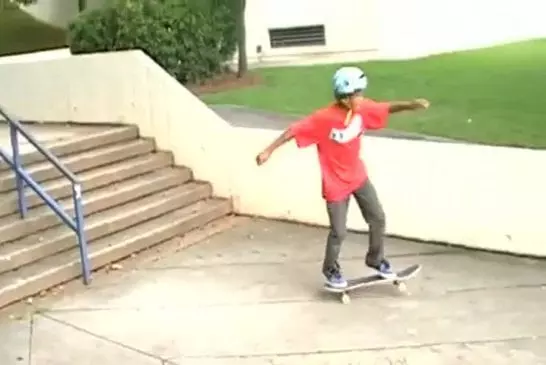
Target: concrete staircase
133	198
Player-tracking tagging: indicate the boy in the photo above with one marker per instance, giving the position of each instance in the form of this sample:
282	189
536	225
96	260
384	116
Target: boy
336	130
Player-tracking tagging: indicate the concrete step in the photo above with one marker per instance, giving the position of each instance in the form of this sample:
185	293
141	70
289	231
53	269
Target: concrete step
83	161
35	247
79	143
41	218
91	179
65	266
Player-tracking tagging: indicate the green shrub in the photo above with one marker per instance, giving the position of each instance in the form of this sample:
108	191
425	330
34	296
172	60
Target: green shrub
192	41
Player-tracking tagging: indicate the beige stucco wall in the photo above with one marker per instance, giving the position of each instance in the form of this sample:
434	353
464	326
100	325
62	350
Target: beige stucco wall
386	29
423	27
478	196
347	32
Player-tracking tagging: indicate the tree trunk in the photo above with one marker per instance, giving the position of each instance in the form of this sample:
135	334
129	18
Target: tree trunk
82	5
241	39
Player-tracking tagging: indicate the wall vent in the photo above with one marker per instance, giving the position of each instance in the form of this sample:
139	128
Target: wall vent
312	35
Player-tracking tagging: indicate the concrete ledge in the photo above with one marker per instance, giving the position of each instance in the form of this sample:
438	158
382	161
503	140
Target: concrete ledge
476	196
241	116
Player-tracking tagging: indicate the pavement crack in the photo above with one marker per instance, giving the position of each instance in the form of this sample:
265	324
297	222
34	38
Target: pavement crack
103	338
30	338
319	298
364	349
488	288
281	263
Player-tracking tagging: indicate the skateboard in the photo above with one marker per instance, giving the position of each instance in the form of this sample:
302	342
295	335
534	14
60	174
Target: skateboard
364	281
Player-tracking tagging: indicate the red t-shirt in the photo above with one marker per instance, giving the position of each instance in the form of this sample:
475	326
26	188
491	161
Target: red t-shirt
338	145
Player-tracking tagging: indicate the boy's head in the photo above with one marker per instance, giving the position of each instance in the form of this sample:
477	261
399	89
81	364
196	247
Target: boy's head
349	83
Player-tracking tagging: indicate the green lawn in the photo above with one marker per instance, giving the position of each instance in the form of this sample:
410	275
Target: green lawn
21	33
501	90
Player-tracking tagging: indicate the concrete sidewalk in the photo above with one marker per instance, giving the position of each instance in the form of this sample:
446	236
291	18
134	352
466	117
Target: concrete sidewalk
252	295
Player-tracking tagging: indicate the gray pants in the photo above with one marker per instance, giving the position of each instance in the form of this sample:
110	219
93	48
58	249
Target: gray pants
372	211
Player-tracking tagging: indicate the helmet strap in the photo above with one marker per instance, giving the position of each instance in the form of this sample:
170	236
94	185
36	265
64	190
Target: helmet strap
348	117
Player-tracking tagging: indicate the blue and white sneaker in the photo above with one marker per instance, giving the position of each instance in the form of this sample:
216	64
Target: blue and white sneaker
385	270
336	280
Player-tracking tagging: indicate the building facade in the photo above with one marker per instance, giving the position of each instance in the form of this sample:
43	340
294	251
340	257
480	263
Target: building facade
291	31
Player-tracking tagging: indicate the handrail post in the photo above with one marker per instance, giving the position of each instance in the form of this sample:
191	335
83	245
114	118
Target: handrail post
22	178
78	211
20	184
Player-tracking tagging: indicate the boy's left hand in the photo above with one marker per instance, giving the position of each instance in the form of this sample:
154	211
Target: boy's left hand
421	103
263	157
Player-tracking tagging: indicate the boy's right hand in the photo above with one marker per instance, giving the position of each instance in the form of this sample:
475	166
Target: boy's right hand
263	157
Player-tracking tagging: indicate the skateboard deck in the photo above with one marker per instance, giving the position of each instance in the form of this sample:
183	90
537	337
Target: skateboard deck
376	279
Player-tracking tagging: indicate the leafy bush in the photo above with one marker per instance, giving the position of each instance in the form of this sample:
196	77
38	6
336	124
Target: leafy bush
191	39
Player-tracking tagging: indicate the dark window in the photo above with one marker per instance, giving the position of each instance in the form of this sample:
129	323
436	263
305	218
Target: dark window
312	35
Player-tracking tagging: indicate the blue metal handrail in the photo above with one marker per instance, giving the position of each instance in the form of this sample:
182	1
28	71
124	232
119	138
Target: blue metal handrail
22	177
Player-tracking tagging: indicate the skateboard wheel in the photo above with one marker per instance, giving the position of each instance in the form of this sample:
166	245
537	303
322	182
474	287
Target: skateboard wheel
345	299
402	287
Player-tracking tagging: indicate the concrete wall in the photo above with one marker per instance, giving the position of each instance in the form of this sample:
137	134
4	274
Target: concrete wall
125	87
478	196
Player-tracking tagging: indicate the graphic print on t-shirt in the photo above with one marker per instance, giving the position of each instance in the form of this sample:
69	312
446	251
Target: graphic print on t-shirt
352	131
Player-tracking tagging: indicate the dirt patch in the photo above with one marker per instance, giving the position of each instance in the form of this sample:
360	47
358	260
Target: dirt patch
227	81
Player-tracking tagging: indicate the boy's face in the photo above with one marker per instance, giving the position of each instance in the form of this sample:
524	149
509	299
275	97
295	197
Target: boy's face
351	102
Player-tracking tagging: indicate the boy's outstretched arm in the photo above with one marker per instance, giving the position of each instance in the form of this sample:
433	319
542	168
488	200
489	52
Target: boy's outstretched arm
377	113
279	141
400	106
305	131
